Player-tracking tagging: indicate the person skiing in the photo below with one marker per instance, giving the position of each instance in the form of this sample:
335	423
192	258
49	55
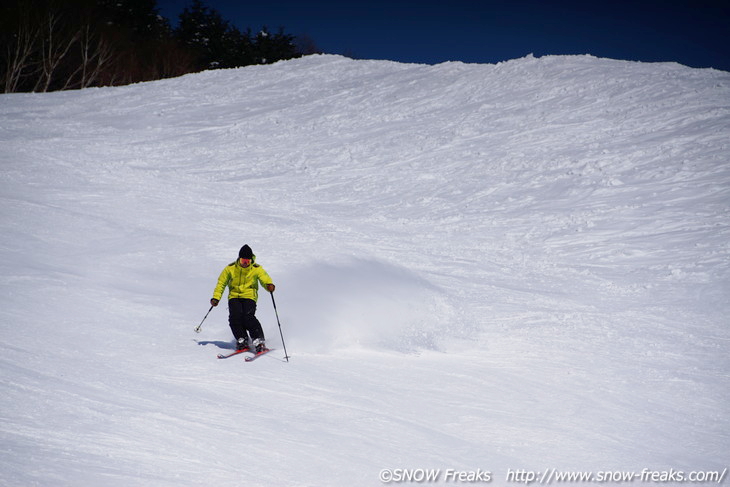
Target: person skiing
242	278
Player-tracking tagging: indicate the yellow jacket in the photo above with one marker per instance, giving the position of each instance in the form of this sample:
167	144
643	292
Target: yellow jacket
242	282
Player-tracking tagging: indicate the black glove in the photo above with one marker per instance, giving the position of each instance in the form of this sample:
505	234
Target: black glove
214	302
270	288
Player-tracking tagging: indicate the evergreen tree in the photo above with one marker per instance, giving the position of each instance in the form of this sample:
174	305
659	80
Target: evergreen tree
219	44
141	41
140	17
211	38
270	48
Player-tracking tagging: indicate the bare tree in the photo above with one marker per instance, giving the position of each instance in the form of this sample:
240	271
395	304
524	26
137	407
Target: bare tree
55	45
20	44
95	52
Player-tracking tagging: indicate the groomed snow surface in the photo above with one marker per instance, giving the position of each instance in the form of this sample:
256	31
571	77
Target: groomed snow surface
479	267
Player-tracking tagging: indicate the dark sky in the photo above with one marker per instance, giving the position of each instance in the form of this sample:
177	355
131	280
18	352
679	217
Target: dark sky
694	33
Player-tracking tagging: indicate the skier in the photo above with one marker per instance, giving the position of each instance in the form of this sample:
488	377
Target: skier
242	278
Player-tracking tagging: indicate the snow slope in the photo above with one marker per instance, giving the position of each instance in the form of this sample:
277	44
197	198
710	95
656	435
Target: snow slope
478	267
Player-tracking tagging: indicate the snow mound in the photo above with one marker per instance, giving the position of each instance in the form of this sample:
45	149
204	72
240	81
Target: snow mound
365	303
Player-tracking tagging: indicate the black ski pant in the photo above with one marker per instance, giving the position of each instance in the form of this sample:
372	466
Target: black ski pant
242	319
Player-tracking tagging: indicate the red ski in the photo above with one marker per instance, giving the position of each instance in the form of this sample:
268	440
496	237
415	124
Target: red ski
251	358
220	355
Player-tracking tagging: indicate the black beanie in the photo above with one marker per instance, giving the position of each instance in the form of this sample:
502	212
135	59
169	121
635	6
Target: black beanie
245	252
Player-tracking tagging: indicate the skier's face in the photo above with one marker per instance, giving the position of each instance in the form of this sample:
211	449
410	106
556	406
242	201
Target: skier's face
244	262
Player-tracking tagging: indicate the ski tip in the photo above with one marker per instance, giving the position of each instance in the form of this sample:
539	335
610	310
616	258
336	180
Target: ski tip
257	355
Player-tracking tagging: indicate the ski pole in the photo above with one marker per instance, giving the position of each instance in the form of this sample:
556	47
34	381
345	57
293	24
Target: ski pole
286	355
197	328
